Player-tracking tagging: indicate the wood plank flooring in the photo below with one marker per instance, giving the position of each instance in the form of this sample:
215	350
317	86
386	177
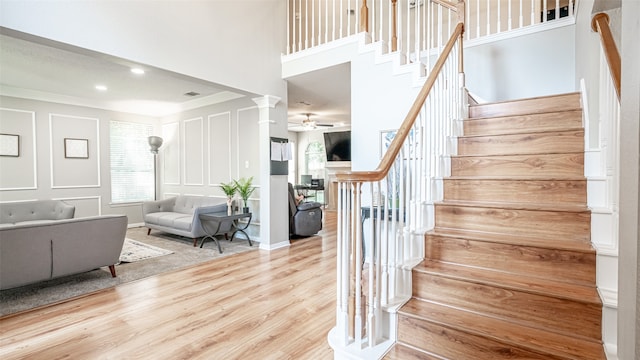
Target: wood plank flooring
276	304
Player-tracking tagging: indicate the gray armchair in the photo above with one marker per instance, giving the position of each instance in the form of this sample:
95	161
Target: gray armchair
305	219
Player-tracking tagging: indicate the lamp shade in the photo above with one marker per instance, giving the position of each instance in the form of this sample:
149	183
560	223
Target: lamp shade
154	143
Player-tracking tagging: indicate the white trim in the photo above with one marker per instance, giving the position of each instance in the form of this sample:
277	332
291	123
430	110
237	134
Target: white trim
98	176
237	139
99	198
609	297
35	151
530	29
209	140
167	195
184	150
175	124
279	245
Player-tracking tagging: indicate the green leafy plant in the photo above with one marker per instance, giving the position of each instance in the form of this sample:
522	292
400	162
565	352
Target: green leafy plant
229	188
245	189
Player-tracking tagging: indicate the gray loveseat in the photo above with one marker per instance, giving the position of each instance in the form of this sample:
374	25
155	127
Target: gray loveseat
34	249
179	215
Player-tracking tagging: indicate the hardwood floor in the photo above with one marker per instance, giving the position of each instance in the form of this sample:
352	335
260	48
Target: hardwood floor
276	304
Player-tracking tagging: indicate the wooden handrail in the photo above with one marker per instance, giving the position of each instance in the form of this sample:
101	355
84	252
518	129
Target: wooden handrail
394	148
600	24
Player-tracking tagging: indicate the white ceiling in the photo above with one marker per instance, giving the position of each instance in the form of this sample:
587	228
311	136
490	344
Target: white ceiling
40	69
323	94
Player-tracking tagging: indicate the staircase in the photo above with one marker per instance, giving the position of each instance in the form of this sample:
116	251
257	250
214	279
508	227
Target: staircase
509	271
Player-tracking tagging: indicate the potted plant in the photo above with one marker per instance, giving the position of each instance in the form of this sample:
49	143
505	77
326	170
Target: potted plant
229	189
245	189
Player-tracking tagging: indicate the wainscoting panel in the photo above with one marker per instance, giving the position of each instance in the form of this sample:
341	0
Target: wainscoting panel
219	140
247	143
85	205
18	148
75	151
171	153
193	152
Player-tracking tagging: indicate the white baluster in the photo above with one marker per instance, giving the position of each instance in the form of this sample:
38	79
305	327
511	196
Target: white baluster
520	17
488	17
498	28
509	22
477	19
571	8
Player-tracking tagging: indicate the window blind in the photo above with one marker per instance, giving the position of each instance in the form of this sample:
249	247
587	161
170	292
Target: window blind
132	170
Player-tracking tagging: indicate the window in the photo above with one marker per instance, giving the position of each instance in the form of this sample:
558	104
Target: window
132	164
315	160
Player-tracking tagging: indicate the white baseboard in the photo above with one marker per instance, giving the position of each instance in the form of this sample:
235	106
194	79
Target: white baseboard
269	247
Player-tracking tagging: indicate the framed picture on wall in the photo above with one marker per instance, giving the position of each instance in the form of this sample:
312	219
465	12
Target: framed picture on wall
76	148
9	145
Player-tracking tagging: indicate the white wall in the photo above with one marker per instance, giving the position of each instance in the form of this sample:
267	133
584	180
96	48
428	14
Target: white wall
537	64
380	101
203	39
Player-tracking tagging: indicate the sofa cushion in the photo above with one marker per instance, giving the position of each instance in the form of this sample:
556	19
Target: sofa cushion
15	212
170	219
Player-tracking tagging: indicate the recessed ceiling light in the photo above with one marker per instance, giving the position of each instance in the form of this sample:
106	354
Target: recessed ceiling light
137	71
101	88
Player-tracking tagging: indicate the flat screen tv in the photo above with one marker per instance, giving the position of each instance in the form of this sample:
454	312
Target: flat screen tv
338	145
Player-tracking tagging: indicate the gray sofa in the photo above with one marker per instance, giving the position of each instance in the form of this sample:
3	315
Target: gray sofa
34	249
179	215
34	212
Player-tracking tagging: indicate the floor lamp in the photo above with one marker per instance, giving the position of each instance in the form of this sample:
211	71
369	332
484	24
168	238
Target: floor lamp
154	143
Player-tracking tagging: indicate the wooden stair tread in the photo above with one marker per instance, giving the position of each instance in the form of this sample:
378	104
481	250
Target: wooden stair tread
533	105
515	206
516	178
406	352
523	132
536	285
515	239
516	155
508	332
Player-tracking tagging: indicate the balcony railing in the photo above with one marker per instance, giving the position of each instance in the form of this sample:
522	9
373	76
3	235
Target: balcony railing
413	26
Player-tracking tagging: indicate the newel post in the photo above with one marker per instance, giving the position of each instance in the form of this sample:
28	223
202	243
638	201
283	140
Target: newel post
364	17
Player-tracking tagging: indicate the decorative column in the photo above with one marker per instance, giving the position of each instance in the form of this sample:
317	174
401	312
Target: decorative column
274	201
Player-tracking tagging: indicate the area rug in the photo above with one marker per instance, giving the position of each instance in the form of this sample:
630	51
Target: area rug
183	254
133	251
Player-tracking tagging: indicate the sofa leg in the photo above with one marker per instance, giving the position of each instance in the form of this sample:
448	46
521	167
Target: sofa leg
195	242
112	268
149	231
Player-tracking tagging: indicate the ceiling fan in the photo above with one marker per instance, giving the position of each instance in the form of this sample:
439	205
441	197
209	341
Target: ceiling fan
312	123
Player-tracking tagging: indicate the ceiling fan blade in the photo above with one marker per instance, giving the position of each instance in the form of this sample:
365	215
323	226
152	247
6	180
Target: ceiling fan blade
325	125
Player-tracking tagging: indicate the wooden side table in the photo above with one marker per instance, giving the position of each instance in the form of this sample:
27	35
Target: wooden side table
218	223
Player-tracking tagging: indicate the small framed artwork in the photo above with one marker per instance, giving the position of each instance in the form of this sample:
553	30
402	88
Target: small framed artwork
76	148
9	145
